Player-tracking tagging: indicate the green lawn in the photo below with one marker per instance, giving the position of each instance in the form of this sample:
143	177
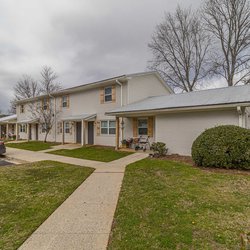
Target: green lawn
94	153
169	205
29	193
32	145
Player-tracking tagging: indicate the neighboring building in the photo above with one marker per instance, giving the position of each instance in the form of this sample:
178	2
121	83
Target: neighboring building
128	106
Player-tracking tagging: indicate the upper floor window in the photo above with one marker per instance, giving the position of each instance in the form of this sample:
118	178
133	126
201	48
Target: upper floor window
45	104
108	94
65	101
142	126
108	128
22	108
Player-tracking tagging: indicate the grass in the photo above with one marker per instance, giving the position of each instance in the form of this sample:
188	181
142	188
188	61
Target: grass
94	153
29	193
32	145
169	205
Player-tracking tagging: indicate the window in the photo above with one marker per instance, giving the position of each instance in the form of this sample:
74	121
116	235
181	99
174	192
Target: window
142	126
22	128
108	94
22	108
45	104
65	101
43	127
67	128
59	127
108	128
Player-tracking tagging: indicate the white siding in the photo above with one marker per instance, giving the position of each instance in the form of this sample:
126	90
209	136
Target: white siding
180	130
144	86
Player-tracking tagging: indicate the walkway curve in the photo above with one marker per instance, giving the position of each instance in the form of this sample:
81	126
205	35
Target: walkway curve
84	220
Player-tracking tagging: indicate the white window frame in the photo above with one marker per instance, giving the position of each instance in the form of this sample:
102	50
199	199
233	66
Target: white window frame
67	127
108	127
107	95
22	128
139	127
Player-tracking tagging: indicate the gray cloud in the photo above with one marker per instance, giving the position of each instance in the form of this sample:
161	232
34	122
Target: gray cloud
82	40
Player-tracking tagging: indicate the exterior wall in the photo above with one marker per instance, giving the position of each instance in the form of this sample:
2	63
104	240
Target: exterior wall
144	86
180	130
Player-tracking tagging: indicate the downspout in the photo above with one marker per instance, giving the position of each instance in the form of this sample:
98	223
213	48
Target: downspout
54	114
241	114
122	122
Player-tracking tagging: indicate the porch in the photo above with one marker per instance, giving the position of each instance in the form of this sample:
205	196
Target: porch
83	126
8	127
135	133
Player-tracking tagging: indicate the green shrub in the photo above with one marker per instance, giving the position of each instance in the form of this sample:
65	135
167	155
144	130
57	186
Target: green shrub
159	149
223	147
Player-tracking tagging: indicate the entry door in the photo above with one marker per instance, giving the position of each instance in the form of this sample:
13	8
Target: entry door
37	132
30	132
91	133
78	132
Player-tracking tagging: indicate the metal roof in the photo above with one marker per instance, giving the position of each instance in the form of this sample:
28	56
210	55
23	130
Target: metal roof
91	85
7	119
211	97
79	117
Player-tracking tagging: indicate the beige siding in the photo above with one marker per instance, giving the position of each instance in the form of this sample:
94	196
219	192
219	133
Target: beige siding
179	131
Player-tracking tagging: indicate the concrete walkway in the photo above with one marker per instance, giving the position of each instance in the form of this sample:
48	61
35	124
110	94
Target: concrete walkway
84	220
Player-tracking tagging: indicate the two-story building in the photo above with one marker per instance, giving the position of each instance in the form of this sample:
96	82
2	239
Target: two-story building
130	106
80	115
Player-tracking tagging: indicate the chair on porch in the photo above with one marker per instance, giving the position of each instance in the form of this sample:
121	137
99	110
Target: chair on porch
142	143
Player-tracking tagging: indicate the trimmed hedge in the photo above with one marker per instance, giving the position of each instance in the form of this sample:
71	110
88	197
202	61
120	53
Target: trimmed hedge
223	147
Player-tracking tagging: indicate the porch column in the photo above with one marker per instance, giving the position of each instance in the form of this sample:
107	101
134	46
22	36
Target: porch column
63	132
0	131
117	133
7	131
17	131
83	133
28	131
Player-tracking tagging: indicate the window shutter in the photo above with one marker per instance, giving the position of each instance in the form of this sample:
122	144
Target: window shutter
68	101
113	93
151	126
135	127
98	132
102	95
61	103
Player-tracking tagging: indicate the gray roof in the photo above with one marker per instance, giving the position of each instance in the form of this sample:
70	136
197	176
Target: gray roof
78	117
211	97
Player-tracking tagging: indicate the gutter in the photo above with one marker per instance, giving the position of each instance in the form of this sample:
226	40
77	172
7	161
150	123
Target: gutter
178	109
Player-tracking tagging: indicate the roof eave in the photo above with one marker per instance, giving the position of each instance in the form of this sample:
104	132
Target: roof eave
178	109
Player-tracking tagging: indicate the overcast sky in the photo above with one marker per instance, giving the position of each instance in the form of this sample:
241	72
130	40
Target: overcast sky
82	40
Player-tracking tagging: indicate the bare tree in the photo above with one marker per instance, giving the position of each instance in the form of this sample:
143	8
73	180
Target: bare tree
44	109
48	81
180	47
228	21
26	87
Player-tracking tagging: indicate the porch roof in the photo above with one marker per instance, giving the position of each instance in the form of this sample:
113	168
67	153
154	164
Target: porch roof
8	119
203	99
34	120
82	117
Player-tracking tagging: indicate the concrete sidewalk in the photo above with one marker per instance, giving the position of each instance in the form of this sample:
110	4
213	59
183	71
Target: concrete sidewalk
84	220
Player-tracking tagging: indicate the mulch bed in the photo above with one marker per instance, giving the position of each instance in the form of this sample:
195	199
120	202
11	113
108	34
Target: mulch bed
188	160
